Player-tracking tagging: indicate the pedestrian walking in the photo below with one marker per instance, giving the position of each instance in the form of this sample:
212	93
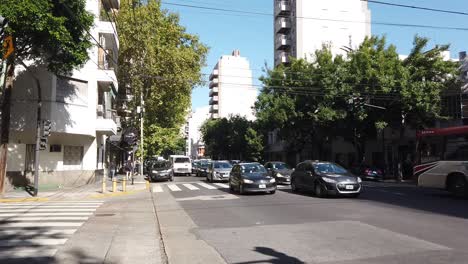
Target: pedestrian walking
112	169
129	169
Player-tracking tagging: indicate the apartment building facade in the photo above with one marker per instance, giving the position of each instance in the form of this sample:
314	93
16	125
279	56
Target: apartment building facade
231	88
303	26
80	106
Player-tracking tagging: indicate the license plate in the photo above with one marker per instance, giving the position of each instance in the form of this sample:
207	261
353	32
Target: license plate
349	187
262	186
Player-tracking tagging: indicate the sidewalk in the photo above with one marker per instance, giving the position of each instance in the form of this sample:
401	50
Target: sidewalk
82	192
123	230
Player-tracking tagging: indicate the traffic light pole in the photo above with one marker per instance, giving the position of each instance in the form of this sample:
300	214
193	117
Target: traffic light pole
38	137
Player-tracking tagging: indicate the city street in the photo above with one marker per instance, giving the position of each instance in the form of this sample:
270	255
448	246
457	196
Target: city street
389	223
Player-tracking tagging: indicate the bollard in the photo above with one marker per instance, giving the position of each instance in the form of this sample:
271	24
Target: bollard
104	185
114	185
124	185
147	185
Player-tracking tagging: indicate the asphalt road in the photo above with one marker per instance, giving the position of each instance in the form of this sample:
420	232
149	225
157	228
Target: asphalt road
389	223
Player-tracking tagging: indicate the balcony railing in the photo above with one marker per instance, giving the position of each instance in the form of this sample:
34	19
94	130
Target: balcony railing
283	25
282	57
282	8
107	113
283	42
214	91
214	74
105	59
214	83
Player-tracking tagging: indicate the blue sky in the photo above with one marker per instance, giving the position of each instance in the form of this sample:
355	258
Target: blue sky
253	34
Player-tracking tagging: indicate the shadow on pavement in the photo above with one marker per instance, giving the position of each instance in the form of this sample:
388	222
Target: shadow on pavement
278	257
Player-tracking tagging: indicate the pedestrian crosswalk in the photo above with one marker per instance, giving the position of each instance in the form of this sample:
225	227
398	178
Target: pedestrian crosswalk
194	186
37	230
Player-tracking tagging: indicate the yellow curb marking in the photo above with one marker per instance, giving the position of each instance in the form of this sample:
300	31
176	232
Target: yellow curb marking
19	200
116	194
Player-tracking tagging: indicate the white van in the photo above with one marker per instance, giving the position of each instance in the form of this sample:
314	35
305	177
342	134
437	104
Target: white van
181	165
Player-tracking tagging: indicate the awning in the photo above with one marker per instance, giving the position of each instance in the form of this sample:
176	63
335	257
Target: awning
458	130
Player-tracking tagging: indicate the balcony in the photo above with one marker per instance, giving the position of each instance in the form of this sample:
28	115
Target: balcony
214	83
283	42
215	116
214	100
214	91
282	8
283	25
214	109
107	121
282	57
214	74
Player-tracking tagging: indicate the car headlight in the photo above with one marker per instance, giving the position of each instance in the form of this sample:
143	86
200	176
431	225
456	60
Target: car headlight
359	180
279	175
248	181
272	180
329	180
154	171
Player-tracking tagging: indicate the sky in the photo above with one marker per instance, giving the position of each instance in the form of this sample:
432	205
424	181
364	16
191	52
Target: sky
224	32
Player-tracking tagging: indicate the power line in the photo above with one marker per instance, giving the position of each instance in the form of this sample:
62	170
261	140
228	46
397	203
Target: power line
417	7
316	18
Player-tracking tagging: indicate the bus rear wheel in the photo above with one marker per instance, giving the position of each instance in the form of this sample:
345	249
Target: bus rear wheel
457	185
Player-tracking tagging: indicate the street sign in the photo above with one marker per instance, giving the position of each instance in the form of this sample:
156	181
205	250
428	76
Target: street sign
8	47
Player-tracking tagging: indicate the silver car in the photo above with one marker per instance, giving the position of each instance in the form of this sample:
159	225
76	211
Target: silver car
219	171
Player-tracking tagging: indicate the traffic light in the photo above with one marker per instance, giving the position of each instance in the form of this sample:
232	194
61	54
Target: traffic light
43	143
46	127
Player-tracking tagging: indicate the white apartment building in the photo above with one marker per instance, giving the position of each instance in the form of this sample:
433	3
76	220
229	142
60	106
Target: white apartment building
80	107
303	26
231	89
199	116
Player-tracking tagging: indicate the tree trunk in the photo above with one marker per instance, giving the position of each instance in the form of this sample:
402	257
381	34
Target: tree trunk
5	129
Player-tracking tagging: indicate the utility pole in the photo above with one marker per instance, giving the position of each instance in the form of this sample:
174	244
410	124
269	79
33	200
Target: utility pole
142	114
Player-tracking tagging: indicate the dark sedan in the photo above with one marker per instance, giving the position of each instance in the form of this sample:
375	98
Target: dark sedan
202	170
325	178
161	170
369	172
251	177
280	171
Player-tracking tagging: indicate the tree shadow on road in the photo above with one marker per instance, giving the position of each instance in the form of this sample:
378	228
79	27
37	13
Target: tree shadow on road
278	257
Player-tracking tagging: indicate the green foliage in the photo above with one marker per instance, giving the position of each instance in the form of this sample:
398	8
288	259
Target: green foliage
163	141
310	102
158	58
47	33
233	138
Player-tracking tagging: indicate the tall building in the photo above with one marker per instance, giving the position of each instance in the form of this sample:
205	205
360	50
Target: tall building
199	116
231	89
80	106
303	26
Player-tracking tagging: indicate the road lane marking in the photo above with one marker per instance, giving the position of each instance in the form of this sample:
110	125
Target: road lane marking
191	187
222	185
48	218
37	233
33	242
25	253
46	214
41	224
174	188
47	210
157	189
48	206
210	187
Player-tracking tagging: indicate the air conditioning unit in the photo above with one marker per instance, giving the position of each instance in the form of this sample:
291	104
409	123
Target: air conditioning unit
100	110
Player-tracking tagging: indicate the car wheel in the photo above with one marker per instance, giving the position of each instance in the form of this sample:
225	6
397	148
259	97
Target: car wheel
231	188
457	186
294	188
212	178
319	192
241	189
272	192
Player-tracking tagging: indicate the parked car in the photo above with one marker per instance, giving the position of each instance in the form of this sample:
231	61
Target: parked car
234	162
195	166
160	170
219	171
203	169
280	171
325	178
367	172
251	177
181	165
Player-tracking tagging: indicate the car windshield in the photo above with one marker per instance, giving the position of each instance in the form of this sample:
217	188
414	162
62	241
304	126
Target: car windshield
222	165
253	168
161	165
204	165
181	160
281	166
329	168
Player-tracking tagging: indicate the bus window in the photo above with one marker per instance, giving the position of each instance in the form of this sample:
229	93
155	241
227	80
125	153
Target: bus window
430	151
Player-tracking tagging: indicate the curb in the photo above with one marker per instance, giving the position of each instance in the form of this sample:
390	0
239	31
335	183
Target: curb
19	200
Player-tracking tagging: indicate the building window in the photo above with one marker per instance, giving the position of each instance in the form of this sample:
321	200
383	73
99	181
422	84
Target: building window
55	148
72	155
70	89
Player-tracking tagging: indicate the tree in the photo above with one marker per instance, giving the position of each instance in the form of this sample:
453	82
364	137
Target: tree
45	33
159	59
254	145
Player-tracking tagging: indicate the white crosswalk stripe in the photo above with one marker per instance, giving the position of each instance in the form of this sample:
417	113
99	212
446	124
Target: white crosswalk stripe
37	230
191	187
222	185
195	186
